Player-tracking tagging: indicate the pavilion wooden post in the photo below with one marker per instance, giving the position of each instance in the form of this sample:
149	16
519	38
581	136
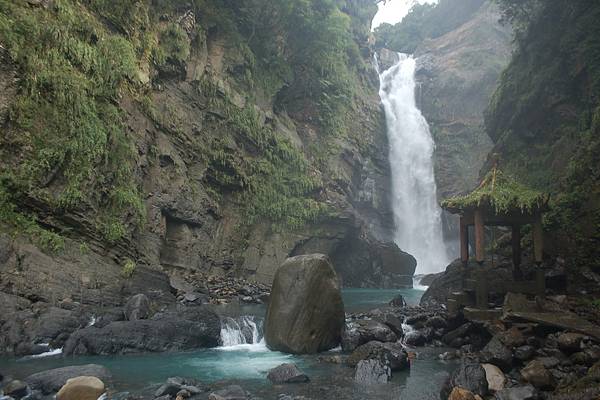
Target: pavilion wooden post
464	241
538	239
479	236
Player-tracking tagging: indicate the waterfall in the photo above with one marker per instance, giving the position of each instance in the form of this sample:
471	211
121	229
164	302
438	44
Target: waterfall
244	330
417	215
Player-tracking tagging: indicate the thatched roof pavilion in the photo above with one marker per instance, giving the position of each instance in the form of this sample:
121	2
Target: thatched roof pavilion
499	200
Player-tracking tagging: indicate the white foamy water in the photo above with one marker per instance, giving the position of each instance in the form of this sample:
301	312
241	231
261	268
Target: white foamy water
242	333
417	215
49	353
417	283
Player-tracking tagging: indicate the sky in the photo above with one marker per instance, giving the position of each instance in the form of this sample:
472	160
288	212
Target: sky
394	10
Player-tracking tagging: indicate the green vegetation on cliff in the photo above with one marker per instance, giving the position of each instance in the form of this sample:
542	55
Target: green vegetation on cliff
68	148
425	21
65	126
545	117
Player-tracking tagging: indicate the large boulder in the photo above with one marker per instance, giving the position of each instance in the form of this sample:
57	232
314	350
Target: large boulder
495	352
362	331
186	329
306	312
372	371
176	384
52	380
536	373
570	342
16	389
391	354
81	388
470	376
287	373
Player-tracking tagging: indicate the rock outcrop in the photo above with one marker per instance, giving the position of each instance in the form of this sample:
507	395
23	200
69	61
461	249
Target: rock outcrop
188	328
52	380
305	312
458	73
81	388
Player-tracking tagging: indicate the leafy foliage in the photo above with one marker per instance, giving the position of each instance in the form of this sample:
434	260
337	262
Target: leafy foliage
65	122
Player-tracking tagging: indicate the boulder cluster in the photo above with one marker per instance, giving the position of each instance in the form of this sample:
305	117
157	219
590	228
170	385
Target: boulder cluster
198	287
81	382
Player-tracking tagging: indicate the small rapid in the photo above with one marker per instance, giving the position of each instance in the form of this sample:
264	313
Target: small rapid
242	333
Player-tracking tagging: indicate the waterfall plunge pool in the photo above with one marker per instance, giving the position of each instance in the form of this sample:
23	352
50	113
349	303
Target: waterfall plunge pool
245	360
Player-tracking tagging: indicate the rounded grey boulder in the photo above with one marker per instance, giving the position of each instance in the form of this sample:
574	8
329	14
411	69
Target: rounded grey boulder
306	312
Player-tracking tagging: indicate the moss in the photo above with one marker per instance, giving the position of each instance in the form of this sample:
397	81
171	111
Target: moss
502	193
128	269
65	123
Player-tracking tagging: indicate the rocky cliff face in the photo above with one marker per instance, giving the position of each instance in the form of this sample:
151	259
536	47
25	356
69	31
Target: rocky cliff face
230	162
458	73
544	120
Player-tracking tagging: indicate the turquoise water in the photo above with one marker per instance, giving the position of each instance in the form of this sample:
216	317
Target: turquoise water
247	364
359	299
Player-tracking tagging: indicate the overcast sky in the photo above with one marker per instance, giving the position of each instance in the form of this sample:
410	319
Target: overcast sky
394	10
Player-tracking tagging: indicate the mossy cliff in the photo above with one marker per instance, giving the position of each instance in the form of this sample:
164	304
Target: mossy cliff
213	135
544	119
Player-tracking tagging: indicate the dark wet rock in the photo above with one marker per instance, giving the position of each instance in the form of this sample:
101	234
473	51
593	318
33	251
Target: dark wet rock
451	279
303	285
415	338
570	342
512	338
108	316
391	354
457	333
52	380
524	353
363	331
16	389
527	392
287	373
417	320
392	321
137	307
436	322
233	392
177	384
398	301
197	298
188	328
470	376
428	279
536	374
495	352
53	322
549	362
372	371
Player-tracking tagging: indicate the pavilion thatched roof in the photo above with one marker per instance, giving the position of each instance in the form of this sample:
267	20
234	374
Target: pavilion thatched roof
499	193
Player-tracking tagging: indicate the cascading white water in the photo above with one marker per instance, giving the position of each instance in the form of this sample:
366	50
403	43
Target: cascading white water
244	330
417	216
